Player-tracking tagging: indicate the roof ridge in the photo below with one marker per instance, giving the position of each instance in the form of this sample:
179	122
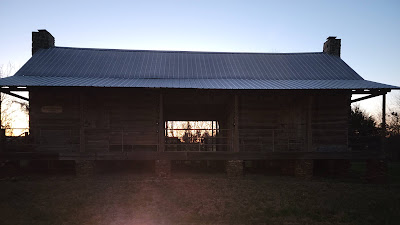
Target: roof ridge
191	52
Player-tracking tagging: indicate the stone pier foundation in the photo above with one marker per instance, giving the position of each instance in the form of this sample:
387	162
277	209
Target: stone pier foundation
163	168
376	171
84	168
287	167
342	167
234	168
304	168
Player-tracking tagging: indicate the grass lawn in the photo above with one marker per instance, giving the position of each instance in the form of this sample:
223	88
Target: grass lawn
198	199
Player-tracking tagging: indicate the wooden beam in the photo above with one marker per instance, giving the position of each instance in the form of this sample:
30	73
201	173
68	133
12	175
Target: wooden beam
373	91
366	97
29	155
145	155
15	95
14	89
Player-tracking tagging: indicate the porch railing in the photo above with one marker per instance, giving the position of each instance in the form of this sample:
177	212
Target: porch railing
208	139
125	140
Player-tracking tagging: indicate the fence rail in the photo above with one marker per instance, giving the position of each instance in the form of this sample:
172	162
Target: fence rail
125	140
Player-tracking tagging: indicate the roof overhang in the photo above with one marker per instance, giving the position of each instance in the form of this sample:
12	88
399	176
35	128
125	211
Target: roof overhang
358	86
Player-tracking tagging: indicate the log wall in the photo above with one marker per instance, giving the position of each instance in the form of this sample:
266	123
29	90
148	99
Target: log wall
54	119
121	120
104	119
330	116
124	120
272	122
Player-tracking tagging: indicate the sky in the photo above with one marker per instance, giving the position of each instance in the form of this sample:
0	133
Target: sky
369	29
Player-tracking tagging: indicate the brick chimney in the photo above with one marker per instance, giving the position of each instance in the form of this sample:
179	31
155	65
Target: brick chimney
41	39
332	46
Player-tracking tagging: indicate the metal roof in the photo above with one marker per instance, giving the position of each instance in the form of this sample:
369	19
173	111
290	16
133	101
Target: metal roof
61	66
128	64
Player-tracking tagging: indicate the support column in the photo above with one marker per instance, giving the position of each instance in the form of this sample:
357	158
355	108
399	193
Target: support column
84	168
304	168
383	123
376	171
234	168
163	168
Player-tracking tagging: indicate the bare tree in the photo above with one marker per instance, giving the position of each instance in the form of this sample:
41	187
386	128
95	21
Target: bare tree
5	102
393	128
394	116
9	105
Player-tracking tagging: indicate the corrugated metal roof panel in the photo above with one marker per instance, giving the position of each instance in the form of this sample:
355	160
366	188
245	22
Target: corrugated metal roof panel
135	64
60	66
192	83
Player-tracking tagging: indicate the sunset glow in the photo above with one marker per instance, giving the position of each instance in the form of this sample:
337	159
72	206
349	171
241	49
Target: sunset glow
179	128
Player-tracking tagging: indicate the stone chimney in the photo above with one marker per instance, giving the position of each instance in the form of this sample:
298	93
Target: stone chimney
41	39
332	46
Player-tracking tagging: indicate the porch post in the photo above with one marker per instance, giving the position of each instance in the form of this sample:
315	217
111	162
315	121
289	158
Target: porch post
162	168
377	168
234	168
383	122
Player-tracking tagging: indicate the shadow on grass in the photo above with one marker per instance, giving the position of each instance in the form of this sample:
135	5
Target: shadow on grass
127	198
